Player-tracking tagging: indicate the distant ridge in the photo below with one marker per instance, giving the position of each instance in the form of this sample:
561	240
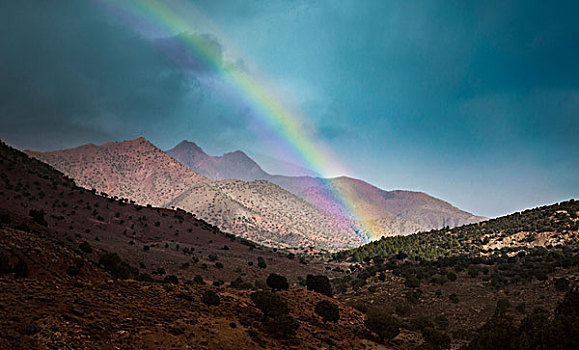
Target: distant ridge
232	165
389	212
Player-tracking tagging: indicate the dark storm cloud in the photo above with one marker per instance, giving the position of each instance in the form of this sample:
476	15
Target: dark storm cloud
72	74
474	102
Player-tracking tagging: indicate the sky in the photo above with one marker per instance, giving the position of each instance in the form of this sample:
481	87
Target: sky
476	103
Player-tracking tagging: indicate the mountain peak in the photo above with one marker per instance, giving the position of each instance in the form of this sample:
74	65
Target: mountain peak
237	154
188	146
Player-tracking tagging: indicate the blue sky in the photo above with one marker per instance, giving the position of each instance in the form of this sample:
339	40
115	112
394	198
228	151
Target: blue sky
476	103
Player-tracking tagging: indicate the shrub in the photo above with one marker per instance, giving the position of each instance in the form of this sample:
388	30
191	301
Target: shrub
384	325
38	217
451	276
198	279
412	282
320	284
328	311
453	298
284	326
4	264
561	284
502	306
21	269
238	283
73	271
436	338
211	298
261	263
118	268
172	279
85	247
413	296
269	303
277	282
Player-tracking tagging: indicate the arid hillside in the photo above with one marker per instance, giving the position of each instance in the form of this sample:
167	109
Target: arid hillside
267	214
387	213
133	169
152	239
264	213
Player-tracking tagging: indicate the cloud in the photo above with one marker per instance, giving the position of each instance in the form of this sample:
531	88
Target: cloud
67	67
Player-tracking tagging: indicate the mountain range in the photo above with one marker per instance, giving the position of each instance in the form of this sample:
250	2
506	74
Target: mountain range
235	194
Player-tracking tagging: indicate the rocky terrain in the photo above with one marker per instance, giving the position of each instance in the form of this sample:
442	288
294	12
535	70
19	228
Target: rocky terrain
262	211
387	213
80	269
233	165
134	169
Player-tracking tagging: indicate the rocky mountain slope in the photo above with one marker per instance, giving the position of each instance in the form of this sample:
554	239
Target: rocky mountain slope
386	212
131	169
267	214
233	165
260	211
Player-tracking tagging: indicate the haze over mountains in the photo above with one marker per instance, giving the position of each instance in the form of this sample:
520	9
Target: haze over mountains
234	193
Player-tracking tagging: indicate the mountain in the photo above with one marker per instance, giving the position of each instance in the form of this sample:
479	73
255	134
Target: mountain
386	213
260	211
134	169
233	165
267	214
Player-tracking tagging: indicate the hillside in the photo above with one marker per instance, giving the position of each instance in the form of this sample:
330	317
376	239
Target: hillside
133	169
388	213
260	211
486	285
269	215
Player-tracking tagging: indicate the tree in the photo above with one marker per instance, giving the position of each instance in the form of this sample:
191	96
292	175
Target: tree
320	284
211	298
261	263
386	326
328	311
269	303
277	282
198	279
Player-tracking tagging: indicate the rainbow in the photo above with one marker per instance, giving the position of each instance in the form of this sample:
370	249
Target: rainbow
280	119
